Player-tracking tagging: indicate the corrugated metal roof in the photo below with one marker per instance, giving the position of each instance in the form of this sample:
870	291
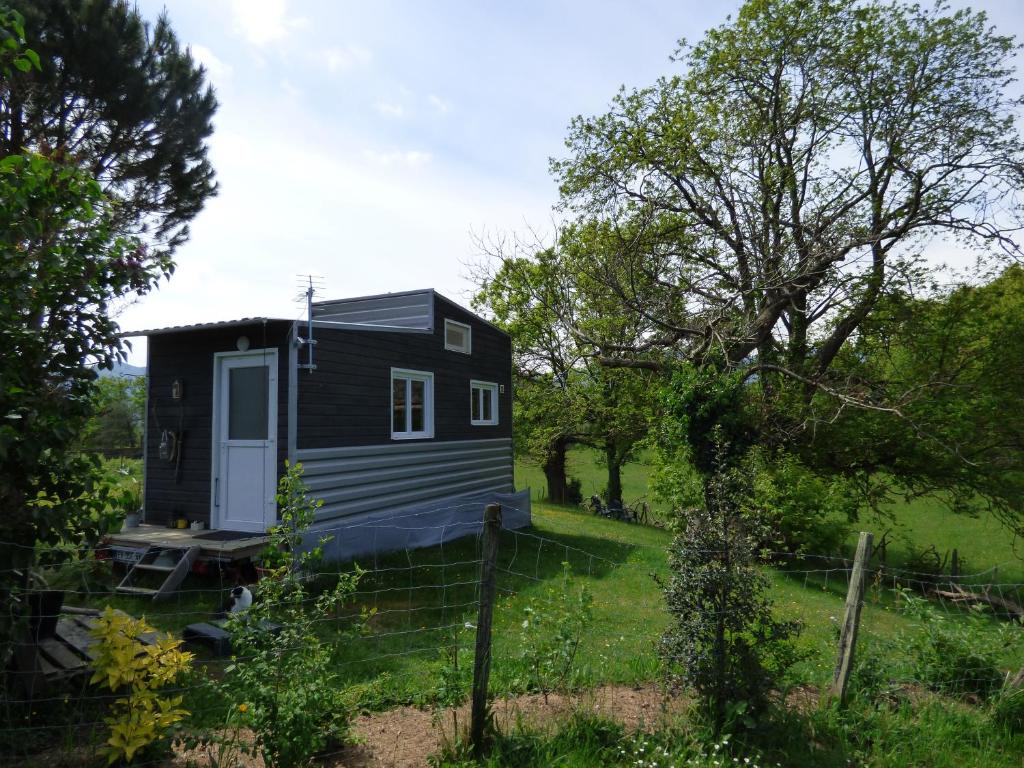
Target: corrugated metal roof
205	326
338	310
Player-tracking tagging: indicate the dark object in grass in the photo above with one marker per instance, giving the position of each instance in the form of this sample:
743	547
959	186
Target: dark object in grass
216	638
614	510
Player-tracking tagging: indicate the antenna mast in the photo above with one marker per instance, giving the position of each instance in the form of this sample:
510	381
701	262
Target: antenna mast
309	341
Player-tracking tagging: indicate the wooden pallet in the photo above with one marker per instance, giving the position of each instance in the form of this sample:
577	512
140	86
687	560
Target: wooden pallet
67	655
173	563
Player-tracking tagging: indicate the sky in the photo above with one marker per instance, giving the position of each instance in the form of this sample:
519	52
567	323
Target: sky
372	144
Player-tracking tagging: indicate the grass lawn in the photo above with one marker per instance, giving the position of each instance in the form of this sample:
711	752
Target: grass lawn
983	543
588	465
421	602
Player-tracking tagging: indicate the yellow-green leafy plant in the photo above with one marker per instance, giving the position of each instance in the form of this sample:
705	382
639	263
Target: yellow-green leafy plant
124	664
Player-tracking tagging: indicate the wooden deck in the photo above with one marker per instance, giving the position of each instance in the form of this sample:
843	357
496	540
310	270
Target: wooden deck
229	551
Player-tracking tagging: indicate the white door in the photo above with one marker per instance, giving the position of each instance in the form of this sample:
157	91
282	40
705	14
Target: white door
245	440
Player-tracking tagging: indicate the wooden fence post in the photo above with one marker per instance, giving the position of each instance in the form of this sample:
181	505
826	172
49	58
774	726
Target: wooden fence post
851	618
482	656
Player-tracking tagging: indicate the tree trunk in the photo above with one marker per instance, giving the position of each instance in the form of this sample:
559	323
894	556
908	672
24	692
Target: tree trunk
554	470
613	459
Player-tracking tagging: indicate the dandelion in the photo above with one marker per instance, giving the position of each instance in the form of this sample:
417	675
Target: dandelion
243	708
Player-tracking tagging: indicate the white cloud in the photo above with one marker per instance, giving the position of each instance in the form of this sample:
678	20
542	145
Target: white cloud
369	221
264	21
410	158
389	109
291	90
345	59
440	105
217	70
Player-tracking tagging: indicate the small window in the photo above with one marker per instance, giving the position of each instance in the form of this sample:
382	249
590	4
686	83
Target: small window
412	404
483	403
458	337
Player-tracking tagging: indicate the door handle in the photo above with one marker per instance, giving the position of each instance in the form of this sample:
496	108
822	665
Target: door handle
216	491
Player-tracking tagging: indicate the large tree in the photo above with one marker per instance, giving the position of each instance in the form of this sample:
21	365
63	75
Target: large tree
965	351
563	397
101	166
123	100
752	213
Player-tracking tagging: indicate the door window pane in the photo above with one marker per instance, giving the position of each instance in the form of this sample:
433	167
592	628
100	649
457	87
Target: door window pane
398	405
248	396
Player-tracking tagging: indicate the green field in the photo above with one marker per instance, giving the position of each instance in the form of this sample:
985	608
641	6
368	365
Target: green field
588	465
984	544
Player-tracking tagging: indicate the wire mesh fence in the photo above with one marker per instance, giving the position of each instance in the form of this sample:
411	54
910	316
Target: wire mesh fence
413	610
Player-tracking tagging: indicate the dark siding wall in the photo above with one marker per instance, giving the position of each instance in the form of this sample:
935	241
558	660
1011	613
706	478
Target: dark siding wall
346	401
189	356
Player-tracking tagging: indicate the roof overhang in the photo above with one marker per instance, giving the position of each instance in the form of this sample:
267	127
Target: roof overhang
206	326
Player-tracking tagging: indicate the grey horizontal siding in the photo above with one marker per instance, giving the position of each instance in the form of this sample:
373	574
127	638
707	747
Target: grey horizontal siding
356	479
403	310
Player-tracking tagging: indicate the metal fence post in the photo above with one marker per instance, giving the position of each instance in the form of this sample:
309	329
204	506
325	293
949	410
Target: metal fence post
482	656
851	618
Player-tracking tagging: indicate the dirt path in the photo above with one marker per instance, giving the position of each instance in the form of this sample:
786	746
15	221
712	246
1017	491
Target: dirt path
402	738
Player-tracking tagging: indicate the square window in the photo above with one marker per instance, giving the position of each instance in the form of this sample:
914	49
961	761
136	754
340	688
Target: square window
483	403
458	337
412	404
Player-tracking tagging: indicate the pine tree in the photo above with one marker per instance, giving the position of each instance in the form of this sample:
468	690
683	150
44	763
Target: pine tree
123	100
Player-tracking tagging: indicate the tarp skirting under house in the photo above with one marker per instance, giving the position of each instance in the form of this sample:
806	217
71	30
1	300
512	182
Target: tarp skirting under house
424	525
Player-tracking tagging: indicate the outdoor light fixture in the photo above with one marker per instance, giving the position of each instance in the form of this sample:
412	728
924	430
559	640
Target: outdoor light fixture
242	343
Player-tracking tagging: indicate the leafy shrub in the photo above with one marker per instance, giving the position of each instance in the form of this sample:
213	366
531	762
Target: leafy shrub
673	478
550	634
284	682
723	641
123	664
956	655
802	511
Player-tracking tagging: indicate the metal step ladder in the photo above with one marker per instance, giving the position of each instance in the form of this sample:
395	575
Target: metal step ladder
173	562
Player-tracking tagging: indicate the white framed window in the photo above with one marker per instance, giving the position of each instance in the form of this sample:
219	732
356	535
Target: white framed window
458	337
483	403
412	404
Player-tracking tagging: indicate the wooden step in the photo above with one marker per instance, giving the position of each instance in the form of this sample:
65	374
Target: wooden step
128	590
178	573
154	568
173	574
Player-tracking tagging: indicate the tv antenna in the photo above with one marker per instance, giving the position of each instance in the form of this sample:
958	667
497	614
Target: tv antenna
309	284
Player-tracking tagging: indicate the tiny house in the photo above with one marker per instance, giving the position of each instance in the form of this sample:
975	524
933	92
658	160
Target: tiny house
398	406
